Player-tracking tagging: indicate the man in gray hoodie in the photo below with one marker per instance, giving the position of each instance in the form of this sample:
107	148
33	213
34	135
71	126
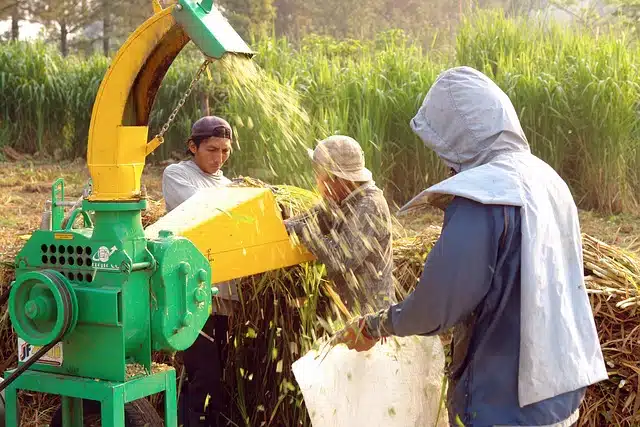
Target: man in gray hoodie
506	272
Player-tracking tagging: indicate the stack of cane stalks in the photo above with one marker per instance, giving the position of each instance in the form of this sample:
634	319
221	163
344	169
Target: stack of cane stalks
283	313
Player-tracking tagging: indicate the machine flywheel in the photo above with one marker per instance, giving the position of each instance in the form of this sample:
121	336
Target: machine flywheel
43	307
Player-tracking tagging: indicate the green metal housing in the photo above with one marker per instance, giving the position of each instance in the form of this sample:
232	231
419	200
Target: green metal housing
131	295
208	29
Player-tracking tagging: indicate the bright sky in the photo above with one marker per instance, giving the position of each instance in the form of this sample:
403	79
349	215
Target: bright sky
28	30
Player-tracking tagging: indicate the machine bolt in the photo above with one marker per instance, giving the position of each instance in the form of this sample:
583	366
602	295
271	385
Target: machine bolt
38	308
199	295
185	268
125	267
187	319
31	310
202	275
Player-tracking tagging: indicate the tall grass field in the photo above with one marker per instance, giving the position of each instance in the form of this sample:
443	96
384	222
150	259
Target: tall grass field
576	94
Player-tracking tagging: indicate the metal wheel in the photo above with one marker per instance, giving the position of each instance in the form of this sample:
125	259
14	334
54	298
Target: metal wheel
42	306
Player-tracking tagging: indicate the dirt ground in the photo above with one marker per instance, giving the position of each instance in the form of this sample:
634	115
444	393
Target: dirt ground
25	186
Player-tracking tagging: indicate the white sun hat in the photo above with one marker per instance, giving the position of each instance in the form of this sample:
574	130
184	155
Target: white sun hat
341	156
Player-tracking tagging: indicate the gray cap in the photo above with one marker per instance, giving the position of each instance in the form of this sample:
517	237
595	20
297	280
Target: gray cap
209	126
341	156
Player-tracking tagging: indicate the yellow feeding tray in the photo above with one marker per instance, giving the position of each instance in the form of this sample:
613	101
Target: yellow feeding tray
240	231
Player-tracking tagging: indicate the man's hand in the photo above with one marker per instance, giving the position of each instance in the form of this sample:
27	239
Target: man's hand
355	337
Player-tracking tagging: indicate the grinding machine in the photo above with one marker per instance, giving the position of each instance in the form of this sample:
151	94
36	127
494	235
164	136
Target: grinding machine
91	303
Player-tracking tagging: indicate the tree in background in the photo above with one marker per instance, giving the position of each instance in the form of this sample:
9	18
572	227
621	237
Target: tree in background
249	17
421	20
119	18
63	18
629	12
294	18
87	26
14	10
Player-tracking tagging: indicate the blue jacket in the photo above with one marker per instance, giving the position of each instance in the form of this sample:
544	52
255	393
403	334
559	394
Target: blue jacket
471	280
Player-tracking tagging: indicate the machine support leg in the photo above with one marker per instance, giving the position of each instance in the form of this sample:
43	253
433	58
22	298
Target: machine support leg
170	401
112	409
11	406
72	415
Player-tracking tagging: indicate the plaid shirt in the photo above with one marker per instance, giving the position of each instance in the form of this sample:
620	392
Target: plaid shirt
353	240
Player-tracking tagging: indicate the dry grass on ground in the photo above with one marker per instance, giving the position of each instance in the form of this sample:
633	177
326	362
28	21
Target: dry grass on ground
25	187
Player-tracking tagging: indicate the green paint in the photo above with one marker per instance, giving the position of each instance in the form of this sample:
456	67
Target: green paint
181	291
208	29
116	296
57	196
111	395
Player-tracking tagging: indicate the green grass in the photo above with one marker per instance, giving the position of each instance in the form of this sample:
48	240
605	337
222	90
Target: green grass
576	95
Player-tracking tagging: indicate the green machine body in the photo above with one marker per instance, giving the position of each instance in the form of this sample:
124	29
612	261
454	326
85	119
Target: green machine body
111	295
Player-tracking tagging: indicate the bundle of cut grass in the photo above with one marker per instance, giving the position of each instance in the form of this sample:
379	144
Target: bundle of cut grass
409	255
613	283
155	209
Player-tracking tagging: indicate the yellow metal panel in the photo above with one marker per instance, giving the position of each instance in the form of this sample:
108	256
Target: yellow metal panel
112	179
125	172
155	68
240	231
258	259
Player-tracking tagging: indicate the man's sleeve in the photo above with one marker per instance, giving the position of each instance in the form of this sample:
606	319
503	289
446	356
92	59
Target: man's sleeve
315	219
348	249
176	188
457	274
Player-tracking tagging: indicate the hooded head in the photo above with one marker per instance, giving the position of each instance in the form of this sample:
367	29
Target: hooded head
468	120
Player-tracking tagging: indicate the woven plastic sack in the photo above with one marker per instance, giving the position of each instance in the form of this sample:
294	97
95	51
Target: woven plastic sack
395	384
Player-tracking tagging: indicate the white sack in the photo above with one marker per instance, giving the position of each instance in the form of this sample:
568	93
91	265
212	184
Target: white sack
396	384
